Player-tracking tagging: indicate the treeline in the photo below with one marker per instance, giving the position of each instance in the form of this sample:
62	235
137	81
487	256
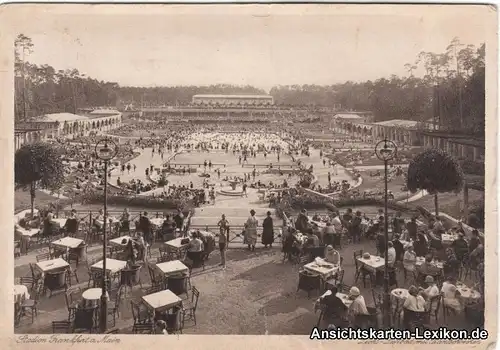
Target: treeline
452	90
179	95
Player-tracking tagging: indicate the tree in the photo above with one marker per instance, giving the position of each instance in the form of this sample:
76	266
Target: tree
435	171
38	165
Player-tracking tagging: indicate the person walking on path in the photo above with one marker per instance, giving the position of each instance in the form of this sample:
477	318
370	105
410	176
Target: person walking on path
268	231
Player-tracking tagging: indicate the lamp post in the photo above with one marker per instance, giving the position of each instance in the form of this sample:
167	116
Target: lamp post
106	153
386	150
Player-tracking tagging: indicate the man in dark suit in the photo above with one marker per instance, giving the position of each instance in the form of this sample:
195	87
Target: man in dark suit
398	247
145	228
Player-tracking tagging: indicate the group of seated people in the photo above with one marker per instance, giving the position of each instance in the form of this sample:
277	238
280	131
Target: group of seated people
415	308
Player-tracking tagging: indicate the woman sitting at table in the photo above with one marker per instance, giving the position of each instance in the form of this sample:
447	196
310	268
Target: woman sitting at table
331	255
409	260
334	309
168	228
125	221
128	253
49	226
460	245
452	299
420	245
140	246
358	306
98	220
413	303
195	247
71	224
431	291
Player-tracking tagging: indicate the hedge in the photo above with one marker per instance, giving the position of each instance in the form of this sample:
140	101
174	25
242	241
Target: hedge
137	201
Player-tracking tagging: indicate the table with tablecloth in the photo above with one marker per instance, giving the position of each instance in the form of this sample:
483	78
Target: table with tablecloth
20	291
420	260
469	295
92	296
323	268
373	263
344	297
24	236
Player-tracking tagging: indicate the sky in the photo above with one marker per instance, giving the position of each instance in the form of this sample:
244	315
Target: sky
261	47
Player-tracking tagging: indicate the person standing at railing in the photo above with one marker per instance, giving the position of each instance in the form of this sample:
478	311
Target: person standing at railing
223	237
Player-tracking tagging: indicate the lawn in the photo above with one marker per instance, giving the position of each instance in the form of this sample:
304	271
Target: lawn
450	203
376	183
22	200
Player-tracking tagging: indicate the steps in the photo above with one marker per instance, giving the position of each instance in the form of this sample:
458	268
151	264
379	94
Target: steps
236	216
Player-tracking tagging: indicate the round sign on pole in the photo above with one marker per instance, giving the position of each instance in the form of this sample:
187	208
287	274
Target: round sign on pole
385	150
106	149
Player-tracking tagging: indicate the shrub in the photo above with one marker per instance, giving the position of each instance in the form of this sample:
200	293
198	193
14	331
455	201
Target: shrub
92	197
471	167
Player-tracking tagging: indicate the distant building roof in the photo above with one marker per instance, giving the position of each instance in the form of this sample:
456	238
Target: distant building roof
105	111
233	96
399	123
347	116
60	117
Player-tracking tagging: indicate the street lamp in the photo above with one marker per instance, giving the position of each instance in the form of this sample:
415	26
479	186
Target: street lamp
386	150
105	150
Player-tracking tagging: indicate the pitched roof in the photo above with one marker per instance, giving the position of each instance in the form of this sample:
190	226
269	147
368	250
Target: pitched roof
399	122
60	117
347	116
105	111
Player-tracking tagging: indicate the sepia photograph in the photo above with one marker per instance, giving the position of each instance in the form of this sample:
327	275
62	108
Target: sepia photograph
252	170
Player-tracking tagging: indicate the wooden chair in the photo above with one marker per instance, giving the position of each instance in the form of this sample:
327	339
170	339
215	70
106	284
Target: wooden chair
32	304
94	277
61	327
154	289
114	306
27	281
143	328
112	331
378	298
162	259
175	321
17	249
140	316
43	256
70	273
189	306
72	298
36	276
308	282
344	288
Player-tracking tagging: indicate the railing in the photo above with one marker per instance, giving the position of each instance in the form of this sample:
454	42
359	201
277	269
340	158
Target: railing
236	235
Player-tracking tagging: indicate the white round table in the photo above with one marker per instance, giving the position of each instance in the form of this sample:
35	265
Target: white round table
19	291
92	296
